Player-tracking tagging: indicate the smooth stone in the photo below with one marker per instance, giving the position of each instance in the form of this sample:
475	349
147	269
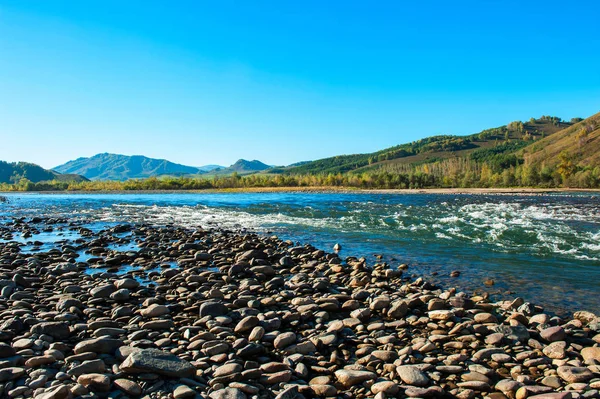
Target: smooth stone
227	369
411	375
183	391
556	350
574	374
284	340
590	353
552	334
246	324
129	387
228	393
98	345
213	309
387	387
349	378
94	381
60	392
155	310
323	390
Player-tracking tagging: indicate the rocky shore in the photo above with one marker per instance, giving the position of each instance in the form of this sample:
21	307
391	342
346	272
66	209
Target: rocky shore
224	315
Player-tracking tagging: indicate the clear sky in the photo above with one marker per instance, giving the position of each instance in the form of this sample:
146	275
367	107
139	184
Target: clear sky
203	82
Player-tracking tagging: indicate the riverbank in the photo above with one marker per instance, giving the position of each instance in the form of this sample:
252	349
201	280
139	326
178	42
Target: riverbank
224	315
482	191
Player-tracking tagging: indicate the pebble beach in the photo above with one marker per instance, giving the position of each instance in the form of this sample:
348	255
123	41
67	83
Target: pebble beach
218	314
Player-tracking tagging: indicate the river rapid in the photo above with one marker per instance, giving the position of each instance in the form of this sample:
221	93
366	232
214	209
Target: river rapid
545	248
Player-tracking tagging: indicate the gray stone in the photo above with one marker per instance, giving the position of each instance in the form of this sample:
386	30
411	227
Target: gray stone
159	362
228	393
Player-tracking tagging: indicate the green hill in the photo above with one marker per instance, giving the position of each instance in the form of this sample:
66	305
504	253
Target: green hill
16	171
242	167
436	148
123	167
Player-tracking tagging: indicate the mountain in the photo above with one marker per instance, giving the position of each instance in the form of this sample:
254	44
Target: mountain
505	139
122	167
15	171
243	167
209	168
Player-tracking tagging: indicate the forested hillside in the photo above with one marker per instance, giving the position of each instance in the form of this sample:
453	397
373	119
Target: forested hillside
24	172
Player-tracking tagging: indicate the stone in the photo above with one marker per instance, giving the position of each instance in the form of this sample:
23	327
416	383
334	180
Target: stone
95	382
37	361
183	391
398	309
127	283
227	369
103	291
155	310
552	334
323	390
7	350
59	392
88	367
284	340
442	315
411	375
387	387
574	374
349	378
56	329
131	388
485	318
213	309
159	362
11	373
553	395
246	324
591	353
98	345
556	350
228	393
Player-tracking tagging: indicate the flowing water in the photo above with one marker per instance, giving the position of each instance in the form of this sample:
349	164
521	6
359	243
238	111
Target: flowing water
545	248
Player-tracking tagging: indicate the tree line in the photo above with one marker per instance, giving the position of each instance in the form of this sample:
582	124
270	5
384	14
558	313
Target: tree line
459	172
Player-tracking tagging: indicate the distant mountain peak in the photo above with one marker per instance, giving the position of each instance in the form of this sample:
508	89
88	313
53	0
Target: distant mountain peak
243	165
107	166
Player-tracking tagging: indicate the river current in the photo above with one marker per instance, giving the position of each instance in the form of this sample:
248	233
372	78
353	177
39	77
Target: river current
545	248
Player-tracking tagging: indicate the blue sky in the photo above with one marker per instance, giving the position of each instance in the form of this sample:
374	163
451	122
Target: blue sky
282	81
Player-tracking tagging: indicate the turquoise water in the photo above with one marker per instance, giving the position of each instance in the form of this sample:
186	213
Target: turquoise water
545	248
